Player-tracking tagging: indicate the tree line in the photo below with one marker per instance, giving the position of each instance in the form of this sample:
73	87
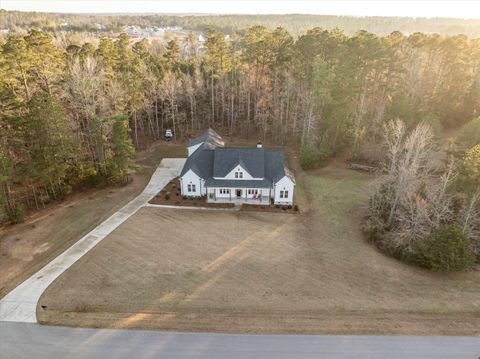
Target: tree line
296	24
71	115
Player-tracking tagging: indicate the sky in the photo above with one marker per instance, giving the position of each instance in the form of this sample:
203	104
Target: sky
410	8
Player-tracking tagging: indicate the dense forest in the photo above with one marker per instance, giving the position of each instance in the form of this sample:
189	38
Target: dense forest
296	24
72	115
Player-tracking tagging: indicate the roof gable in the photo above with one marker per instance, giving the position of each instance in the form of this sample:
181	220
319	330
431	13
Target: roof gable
200	162
241	168
251	159
209	138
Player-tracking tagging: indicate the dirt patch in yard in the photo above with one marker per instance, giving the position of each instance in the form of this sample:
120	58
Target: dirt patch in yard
241	271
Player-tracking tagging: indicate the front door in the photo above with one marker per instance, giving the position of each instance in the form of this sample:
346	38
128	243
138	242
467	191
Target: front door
239	193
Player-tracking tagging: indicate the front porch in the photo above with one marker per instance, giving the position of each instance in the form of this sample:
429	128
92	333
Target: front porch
239	201
238	196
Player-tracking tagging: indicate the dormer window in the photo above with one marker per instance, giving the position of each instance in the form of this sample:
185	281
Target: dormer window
238	174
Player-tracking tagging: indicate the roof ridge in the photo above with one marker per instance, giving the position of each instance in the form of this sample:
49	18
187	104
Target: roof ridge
245	147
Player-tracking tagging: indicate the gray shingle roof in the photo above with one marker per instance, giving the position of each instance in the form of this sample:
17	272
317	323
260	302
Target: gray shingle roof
200	162
212	160
252	159
209	138
275	164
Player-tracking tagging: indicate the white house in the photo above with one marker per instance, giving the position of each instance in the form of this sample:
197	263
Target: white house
236	174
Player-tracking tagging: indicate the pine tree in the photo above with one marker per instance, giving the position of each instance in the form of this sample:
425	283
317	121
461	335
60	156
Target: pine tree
122	150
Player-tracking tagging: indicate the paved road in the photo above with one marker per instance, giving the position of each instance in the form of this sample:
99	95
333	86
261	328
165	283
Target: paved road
23	340
20	304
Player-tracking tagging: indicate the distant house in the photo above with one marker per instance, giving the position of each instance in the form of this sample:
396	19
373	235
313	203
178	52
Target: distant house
158	31
254	175
132	30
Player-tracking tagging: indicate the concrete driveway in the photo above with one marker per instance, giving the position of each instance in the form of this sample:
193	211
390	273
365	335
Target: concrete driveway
21	340
21	303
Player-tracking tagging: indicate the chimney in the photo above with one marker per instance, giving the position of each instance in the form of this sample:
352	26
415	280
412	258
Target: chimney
259	144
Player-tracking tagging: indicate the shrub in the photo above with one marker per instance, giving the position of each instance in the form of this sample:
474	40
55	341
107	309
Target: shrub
168	195
469	134
374	229
16	214
277	206
295	208
309	157
184	197
471	164
284	208
448	250
289	206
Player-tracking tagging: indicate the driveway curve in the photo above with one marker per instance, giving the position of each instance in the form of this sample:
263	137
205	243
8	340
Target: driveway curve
21	303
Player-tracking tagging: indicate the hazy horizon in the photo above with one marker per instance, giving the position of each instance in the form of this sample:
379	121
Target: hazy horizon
409	9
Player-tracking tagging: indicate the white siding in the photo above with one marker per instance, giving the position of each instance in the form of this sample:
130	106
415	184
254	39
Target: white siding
232	194
191	178
192	149
285	184
246	175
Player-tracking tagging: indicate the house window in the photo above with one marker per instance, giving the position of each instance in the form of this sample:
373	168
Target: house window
238	174
224	191
191	188
283	194
252	191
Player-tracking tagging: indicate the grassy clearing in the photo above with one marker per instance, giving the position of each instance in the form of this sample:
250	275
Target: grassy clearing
261	272
26	248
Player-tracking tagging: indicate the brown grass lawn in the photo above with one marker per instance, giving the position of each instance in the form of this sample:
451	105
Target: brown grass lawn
26	248
179	269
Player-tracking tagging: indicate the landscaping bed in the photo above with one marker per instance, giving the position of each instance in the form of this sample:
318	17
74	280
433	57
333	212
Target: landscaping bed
171	195
270	208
